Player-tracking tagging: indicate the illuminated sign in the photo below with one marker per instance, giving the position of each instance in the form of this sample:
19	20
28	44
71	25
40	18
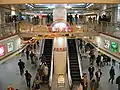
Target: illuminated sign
10	46
107	44
60	26
114	47
2	50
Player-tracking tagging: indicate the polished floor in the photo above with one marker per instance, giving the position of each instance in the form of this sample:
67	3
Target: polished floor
104	85
9	74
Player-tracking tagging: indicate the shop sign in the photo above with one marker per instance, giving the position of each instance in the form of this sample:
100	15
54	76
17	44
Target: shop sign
10	46
114	47
106	44
2	50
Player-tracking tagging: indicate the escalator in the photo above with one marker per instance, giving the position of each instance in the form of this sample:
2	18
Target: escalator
73	60
48	53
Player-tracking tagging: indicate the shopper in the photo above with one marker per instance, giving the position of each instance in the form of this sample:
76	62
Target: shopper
112	74
27	54
91	71
28	77
93	84
10	87
84	81
37	84
31	56
46	73
43	58
118	82
21	65
98	75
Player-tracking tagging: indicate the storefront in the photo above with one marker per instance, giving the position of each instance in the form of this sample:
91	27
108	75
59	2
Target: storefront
107	43
9	45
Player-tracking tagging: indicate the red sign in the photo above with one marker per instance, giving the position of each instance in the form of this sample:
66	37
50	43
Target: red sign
2	50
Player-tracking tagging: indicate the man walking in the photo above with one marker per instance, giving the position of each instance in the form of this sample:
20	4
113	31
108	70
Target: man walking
112	74
28	77
21	65
91	71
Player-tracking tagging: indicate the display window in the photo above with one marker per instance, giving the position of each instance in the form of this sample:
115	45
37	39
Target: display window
10	46
2	50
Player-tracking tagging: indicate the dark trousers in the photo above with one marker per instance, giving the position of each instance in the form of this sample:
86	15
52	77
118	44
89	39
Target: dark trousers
111	78
118	87
28	82
27	56
21	71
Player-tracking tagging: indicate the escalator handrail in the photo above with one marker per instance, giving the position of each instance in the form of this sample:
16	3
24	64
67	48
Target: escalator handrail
42	47
68	66
51	69
79	59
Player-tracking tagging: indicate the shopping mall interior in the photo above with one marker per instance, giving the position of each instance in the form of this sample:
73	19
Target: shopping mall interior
59	45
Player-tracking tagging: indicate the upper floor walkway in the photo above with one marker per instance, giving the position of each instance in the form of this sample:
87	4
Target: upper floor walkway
26	29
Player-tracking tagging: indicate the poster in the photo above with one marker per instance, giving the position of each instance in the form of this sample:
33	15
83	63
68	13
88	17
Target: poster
106	44
10	46
2	50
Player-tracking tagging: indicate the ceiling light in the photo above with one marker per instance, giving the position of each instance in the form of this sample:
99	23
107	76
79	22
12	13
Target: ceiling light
90	5
76	11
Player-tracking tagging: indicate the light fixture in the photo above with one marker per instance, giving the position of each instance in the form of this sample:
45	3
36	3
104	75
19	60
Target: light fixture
90	5
76	11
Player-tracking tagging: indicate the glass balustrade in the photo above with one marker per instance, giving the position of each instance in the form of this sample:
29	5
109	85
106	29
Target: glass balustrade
9	29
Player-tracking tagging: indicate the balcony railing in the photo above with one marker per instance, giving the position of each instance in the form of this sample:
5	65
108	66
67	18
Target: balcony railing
9	29
109	28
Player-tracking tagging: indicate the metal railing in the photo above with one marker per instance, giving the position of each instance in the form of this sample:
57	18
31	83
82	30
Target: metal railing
52	68
79	59
9	29
109	28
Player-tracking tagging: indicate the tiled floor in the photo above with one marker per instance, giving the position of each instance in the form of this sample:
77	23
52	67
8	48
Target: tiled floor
9	72
104	85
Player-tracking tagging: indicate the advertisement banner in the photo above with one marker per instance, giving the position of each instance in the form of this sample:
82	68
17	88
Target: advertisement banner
106	44
10	46
2	50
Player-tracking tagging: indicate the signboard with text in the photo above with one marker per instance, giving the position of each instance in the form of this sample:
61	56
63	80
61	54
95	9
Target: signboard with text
10	46
2	50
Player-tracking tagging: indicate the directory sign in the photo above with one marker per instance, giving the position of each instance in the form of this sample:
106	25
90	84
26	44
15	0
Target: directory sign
10	46
2	50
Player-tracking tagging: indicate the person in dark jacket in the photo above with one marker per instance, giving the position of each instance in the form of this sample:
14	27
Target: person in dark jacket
98	60
28	77
31	56
98	75
91	71
118	82
27	54
43	58
112	74
21	65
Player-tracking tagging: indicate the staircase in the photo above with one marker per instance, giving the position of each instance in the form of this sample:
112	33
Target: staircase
73	59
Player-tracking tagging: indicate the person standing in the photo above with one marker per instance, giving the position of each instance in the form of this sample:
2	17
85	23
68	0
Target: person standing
91	71
21	65
28	77
118	82
98	75
43	58
27	54
31	56
112	74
